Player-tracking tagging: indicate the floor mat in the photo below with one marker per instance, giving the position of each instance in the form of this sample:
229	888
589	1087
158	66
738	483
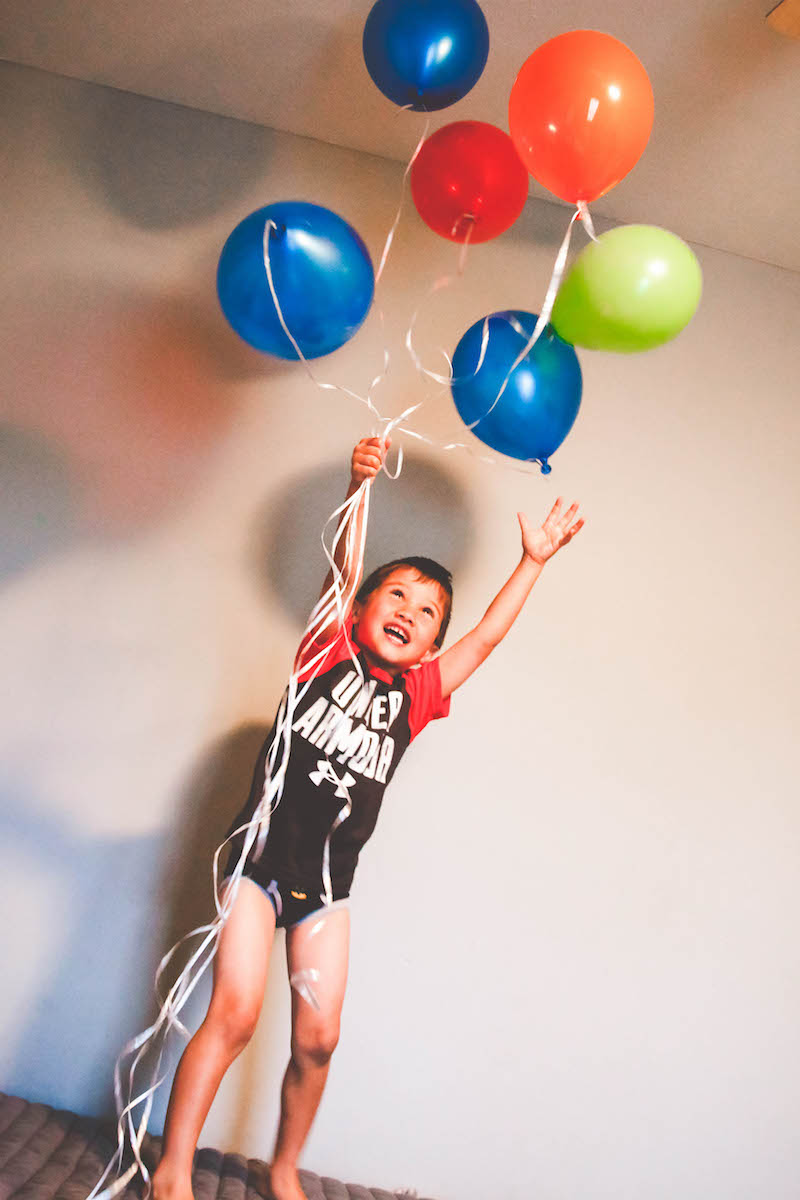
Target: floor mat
49	1154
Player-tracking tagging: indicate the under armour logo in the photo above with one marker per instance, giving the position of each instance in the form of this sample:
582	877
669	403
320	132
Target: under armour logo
326	772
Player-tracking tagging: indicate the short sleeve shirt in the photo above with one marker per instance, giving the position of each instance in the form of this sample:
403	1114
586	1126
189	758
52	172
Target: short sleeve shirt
350	727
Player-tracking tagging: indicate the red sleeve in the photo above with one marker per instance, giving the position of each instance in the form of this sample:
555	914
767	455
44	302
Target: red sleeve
337	649
424	687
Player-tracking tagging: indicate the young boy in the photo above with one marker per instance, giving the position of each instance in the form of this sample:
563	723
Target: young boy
349	729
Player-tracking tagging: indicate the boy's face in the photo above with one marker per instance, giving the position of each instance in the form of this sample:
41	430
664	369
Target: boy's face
398	623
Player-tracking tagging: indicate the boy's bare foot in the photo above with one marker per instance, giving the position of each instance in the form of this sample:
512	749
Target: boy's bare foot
285	1183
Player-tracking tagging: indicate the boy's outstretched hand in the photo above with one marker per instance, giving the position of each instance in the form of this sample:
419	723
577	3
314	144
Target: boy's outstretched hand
367	459
559	528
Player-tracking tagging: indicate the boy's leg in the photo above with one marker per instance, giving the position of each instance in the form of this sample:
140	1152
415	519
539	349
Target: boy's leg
319	946
240	969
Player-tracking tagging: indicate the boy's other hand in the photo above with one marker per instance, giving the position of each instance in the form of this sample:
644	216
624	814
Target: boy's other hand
559	528
368	459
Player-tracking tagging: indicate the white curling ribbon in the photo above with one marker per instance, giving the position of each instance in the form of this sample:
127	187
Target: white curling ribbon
269	225
343	814
462	254
581	213
388	424
303	983
586	217
396	222
547	308
444	281
179	993
520	467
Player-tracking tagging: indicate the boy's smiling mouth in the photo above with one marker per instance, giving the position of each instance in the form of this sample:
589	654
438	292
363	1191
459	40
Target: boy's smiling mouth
396	634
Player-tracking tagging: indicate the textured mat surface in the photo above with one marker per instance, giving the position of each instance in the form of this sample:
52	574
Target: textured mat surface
47	1154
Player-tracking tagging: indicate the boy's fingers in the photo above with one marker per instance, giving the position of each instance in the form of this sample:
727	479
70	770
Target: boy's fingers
555	510
365	452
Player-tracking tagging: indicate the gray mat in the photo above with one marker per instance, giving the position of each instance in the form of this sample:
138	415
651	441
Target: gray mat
48	1154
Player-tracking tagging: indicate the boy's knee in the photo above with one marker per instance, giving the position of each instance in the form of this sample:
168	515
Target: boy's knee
235	1022
315	1043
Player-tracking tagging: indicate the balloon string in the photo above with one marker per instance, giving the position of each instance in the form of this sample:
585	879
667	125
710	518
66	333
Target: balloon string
586	217
385	424
581	212
462	258
269	225
547	307
557	274
517	465
396	222
444	281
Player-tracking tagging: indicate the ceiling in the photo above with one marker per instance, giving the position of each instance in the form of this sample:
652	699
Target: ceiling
722	167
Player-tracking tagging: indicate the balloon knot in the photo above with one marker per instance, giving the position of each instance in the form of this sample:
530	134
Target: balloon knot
546	468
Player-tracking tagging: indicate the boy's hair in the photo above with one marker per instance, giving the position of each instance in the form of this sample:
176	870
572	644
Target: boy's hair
428	568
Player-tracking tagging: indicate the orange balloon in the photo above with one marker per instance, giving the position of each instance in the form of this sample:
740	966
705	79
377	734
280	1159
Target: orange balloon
580	113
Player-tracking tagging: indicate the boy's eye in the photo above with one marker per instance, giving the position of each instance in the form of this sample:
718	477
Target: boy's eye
428	612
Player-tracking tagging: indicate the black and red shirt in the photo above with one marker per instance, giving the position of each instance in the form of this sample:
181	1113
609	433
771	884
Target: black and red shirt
349	731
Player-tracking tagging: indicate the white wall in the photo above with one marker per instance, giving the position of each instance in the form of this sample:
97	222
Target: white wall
575	971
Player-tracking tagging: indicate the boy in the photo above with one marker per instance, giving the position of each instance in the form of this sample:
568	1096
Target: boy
349	729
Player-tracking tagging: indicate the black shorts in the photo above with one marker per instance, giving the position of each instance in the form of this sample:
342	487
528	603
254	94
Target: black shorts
292	904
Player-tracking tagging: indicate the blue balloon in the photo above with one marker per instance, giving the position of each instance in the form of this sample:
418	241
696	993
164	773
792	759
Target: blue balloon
541	400
321	270
426	54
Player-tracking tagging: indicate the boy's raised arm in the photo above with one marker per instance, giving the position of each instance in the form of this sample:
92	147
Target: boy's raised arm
538	545
366	461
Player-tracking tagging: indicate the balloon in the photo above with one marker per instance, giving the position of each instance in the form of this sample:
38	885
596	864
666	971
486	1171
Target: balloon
541	400
425	54
468	179
634	288
580	113
321	271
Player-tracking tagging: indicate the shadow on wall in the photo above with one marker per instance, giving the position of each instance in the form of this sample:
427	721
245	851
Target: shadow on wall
130	389
98	984
126	901
424	512
37	500
218	788
162	166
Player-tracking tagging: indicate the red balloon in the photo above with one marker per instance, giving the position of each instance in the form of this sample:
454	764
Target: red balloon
468	176
580	113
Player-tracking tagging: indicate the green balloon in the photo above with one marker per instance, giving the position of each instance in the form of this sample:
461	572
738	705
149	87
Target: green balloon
634	288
